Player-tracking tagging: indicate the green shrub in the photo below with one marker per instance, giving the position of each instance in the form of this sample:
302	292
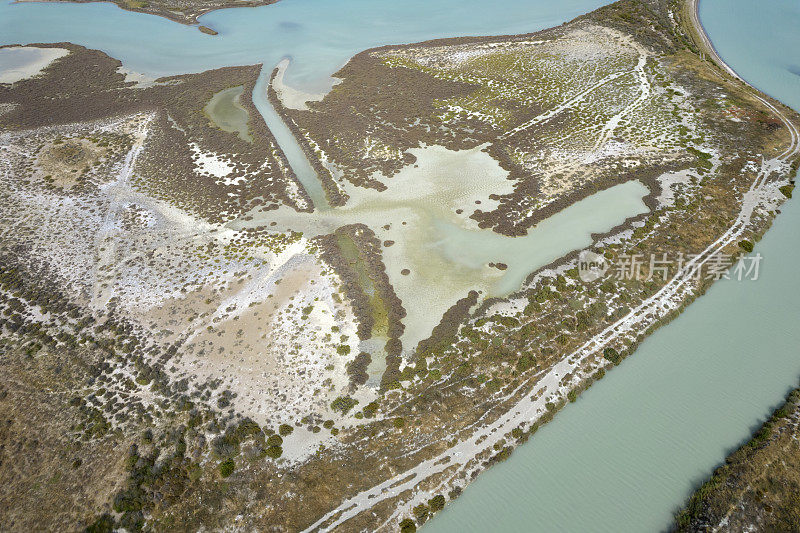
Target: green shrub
370	409
285	429
504	454
129	500
526	362
103	524
274	440
746	245
407	526
398	422
612	355
343	349
787	190
226	468
274	452
572	395
421	512
343	404
436	503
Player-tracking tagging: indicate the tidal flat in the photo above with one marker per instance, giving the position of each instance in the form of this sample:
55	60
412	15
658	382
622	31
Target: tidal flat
347	345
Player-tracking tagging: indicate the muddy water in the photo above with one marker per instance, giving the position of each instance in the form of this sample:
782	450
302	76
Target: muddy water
228	114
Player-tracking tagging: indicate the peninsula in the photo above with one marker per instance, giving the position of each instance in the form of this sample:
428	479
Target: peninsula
196	335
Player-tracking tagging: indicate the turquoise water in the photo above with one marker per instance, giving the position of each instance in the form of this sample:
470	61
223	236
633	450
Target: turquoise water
635	445
627	454
760	40
319	35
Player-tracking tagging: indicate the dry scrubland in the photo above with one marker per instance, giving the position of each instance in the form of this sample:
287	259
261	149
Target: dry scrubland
162	370
758	487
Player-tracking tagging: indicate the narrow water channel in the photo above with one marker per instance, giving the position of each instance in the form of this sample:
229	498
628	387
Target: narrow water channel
294	154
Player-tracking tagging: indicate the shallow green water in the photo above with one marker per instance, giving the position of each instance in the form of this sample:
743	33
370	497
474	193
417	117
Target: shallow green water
227	113
445	253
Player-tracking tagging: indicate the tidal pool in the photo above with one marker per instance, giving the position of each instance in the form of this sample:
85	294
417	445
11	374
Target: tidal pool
446	253
227	113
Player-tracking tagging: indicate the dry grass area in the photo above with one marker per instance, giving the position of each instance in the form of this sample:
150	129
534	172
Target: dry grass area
758	487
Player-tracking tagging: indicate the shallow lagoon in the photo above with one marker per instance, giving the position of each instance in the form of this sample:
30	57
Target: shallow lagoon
228	114
17	63
446	253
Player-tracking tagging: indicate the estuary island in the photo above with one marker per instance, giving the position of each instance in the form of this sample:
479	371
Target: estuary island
198	334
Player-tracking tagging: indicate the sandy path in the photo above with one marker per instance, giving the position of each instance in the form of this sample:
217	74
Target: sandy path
118	192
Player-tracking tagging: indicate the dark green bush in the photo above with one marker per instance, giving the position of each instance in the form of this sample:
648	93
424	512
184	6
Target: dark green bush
343	349
226	468
274	452
103	524
526	362
407	526
612	355
421	512
436	503
343	404
572	395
